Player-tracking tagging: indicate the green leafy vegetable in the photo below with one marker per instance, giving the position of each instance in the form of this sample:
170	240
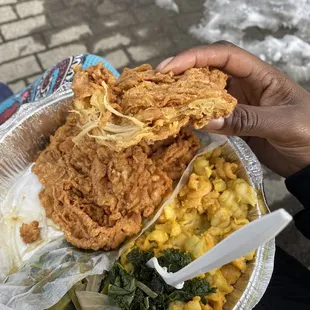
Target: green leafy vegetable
72	294
92	300
193	287
139	258
144	288
121	286
174	259
140	300
121	296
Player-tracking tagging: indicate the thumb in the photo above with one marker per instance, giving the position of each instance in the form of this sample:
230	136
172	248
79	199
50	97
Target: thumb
246	120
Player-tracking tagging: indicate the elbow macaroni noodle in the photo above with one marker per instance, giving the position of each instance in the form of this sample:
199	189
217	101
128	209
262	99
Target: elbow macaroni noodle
211	206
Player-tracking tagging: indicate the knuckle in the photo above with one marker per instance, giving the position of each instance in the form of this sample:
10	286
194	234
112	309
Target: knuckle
278	87
287	91
227	44
195	49
243	121
192	53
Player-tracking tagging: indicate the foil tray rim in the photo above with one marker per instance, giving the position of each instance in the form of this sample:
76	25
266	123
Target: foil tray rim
265	254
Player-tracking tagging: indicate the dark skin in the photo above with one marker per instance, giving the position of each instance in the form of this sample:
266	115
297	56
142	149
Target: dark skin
273	112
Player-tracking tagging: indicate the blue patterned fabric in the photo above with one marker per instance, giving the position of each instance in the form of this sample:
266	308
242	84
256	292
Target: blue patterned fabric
5	92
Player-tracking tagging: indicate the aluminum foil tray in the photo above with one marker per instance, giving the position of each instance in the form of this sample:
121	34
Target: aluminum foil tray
28	131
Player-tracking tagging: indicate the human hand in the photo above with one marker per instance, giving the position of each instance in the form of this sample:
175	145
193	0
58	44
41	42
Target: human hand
273	113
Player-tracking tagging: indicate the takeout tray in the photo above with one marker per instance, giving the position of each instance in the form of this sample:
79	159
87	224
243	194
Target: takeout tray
28	131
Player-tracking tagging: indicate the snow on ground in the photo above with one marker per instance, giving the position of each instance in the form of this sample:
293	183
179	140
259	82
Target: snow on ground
282	30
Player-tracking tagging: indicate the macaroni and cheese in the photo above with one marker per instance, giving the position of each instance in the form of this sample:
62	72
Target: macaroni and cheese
213	204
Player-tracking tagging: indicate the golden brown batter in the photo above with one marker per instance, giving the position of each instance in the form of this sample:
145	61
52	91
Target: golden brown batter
99	194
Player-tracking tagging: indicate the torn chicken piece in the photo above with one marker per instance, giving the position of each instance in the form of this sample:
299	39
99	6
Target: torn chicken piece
147	105
100	197
118	156
30	232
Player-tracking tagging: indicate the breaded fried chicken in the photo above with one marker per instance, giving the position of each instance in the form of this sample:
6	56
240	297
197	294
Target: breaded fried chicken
147	105
117	157
98	196
30	232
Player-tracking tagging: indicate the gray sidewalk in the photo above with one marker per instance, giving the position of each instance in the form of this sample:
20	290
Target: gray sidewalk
34	35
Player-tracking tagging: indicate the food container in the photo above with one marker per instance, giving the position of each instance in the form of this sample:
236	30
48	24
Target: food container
28	131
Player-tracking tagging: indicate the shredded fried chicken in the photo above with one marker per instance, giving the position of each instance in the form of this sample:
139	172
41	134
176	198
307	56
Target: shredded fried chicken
98	196
147	105
119	154
30	232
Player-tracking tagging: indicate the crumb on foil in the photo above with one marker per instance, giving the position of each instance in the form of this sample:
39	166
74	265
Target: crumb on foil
30	232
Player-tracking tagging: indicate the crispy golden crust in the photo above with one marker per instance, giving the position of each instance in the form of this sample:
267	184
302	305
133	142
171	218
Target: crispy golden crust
99	193
150	106
30	232
99	197
144	88
168	102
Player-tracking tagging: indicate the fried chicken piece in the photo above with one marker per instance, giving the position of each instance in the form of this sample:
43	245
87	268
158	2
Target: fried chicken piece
117	157
99	197
89	80
145	105
131	78
173	158
30	232
198	94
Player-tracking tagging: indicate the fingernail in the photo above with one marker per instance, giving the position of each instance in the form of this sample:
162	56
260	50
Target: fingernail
215	124
164	63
